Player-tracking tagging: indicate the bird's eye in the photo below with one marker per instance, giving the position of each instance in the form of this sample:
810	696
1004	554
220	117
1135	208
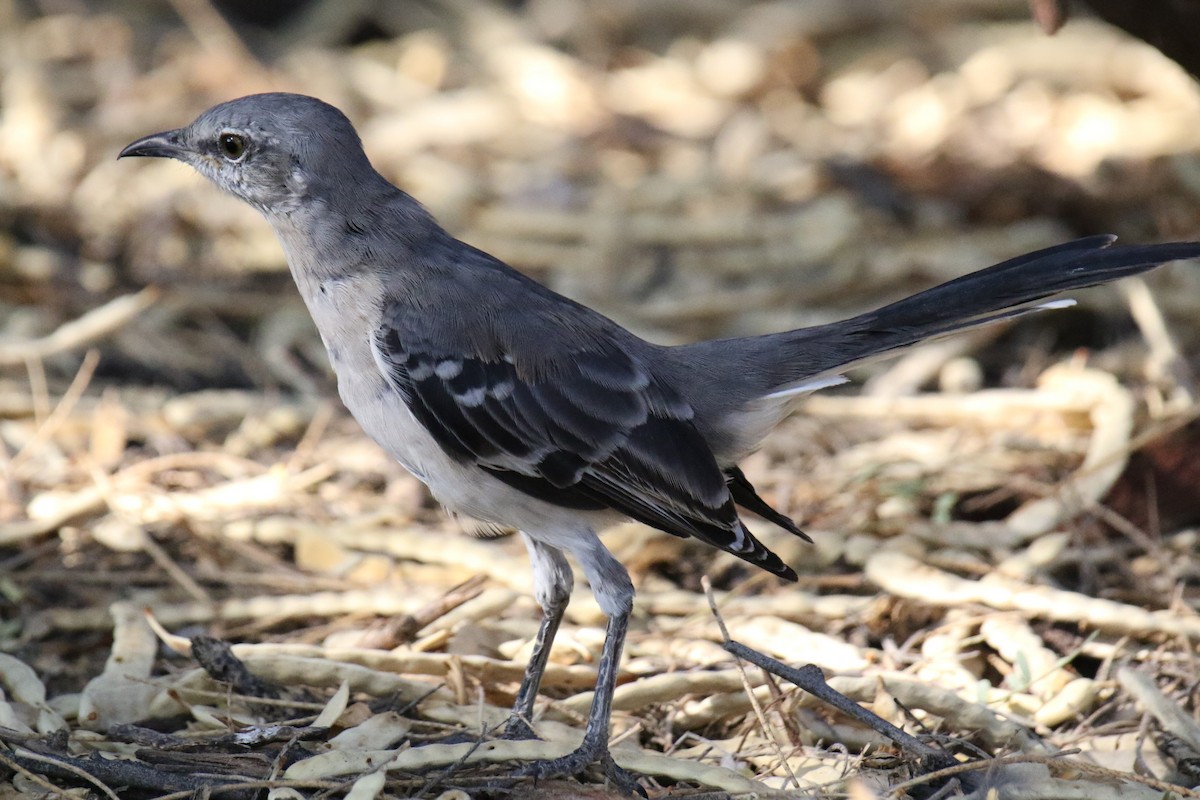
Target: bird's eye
232	145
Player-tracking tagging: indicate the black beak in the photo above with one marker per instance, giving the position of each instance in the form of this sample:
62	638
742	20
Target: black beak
156	145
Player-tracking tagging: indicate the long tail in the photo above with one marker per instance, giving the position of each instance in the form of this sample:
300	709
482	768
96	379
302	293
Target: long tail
740	387
998	292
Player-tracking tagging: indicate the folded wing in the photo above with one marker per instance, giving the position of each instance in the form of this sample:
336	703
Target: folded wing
589	428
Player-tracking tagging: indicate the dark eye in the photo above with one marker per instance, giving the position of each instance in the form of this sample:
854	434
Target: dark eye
232	145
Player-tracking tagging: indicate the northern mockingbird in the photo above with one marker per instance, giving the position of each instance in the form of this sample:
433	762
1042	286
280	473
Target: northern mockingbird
522	408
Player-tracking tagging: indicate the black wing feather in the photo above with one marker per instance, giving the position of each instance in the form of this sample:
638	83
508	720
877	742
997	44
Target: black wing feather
597	431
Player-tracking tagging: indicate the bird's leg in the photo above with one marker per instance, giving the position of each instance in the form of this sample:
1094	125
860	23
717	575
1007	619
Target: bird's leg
594	747
518	726
553	582
613	590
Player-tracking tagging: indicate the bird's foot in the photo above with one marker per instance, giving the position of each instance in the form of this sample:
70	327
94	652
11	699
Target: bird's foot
577	761
517	730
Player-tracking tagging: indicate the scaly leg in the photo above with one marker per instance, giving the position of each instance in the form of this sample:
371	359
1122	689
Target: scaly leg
613	590
553	582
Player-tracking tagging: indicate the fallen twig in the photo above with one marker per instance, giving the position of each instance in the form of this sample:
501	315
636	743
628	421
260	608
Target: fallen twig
812	680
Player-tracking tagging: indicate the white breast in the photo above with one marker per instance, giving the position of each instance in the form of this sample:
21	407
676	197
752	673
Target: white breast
347	323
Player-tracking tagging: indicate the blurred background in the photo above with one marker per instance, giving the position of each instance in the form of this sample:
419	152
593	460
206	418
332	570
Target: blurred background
692	168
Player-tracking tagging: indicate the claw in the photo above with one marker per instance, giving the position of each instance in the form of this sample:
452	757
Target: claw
621	778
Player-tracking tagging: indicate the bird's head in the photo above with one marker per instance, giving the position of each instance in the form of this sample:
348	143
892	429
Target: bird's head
275	151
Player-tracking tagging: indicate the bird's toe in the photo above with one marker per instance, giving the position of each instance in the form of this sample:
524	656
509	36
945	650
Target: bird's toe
518	730
579	761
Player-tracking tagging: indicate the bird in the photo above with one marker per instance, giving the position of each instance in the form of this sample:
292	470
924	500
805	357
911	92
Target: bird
525	409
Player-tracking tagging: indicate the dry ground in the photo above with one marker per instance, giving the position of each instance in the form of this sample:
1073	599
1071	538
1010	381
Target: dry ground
1005	552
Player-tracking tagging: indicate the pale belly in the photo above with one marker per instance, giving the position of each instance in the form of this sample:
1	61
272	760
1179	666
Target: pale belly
461	487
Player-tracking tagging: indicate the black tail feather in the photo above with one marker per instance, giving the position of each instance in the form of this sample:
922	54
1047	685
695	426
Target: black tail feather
745	495
971	300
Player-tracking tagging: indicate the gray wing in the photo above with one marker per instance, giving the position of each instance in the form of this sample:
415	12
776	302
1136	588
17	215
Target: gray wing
584	426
